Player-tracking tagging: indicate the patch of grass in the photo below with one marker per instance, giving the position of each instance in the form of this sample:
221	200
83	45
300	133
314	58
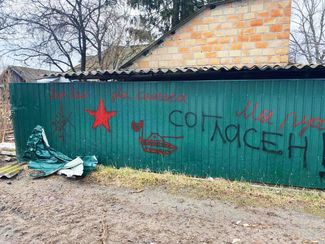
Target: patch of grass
240	193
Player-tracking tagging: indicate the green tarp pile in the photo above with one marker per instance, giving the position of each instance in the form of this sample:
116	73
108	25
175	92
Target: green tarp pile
45	161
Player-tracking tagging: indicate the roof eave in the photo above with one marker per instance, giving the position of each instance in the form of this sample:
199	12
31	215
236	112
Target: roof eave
289	71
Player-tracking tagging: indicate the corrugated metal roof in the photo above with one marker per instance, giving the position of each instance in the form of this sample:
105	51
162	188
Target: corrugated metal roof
207	72
28	74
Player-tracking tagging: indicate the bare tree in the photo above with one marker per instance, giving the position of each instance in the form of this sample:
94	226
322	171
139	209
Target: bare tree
57	32
308	37
5	22
109	35
293	53
6	28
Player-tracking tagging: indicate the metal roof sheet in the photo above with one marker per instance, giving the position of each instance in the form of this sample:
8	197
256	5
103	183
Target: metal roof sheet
220	72
10	171
28	74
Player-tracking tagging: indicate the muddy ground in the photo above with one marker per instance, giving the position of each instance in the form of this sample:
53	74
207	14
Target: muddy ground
58	210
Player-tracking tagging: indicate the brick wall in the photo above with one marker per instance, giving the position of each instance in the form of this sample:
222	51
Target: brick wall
246	32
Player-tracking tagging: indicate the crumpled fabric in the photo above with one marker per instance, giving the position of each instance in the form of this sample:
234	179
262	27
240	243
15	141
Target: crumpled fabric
45	161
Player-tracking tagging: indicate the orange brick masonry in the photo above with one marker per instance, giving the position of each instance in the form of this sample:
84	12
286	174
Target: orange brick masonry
248	32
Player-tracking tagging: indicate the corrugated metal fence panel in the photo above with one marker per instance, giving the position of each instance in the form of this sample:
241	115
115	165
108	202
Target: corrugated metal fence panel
270	131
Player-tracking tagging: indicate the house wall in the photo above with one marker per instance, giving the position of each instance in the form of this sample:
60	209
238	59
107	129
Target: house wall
14	78
246	32
5	122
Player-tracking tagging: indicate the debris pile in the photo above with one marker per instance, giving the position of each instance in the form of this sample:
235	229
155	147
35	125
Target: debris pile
9	135
8	164
7	152
45	161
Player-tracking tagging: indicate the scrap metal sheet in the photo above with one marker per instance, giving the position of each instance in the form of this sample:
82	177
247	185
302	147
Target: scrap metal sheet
10	171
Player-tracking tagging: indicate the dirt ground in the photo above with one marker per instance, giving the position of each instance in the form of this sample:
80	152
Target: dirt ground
58	210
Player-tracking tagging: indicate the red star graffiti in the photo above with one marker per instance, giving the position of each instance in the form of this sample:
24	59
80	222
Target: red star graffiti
102	116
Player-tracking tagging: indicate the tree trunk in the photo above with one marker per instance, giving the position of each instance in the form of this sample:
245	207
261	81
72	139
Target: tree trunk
176	12
100	55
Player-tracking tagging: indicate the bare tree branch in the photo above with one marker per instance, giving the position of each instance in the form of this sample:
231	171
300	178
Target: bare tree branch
62	25
95	33
308	37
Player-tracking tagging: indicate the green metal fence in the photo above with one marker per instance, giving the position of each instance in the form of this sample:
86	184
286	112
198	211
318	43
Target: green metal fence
270	131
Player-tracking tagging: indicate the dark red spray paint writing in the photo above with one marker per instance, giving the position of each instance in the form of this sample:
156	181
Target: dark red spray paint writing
119	96
141	96
305	123
55	95
162	97
264	117
77	94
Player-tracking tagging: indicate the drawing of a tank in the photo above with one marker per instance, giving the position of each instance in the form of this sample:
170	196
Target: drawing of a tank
155	143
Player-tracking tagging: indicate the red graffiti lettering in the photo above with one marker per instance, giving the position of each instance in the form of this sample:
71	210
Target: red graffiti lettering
162	97
55	95
305	123
264	117
78	95
119	95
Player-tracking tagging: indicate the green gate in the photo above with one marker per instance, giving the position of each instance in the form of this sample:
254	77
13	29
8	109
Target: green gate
270	131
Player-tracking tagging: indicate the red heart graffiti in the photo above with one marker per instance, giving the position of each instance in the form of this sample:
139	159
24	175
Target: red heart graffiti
137	126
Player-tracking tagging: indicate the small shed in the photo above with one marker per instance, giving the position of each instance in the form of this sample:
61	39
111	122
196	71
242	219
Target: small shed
16	74
254	123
